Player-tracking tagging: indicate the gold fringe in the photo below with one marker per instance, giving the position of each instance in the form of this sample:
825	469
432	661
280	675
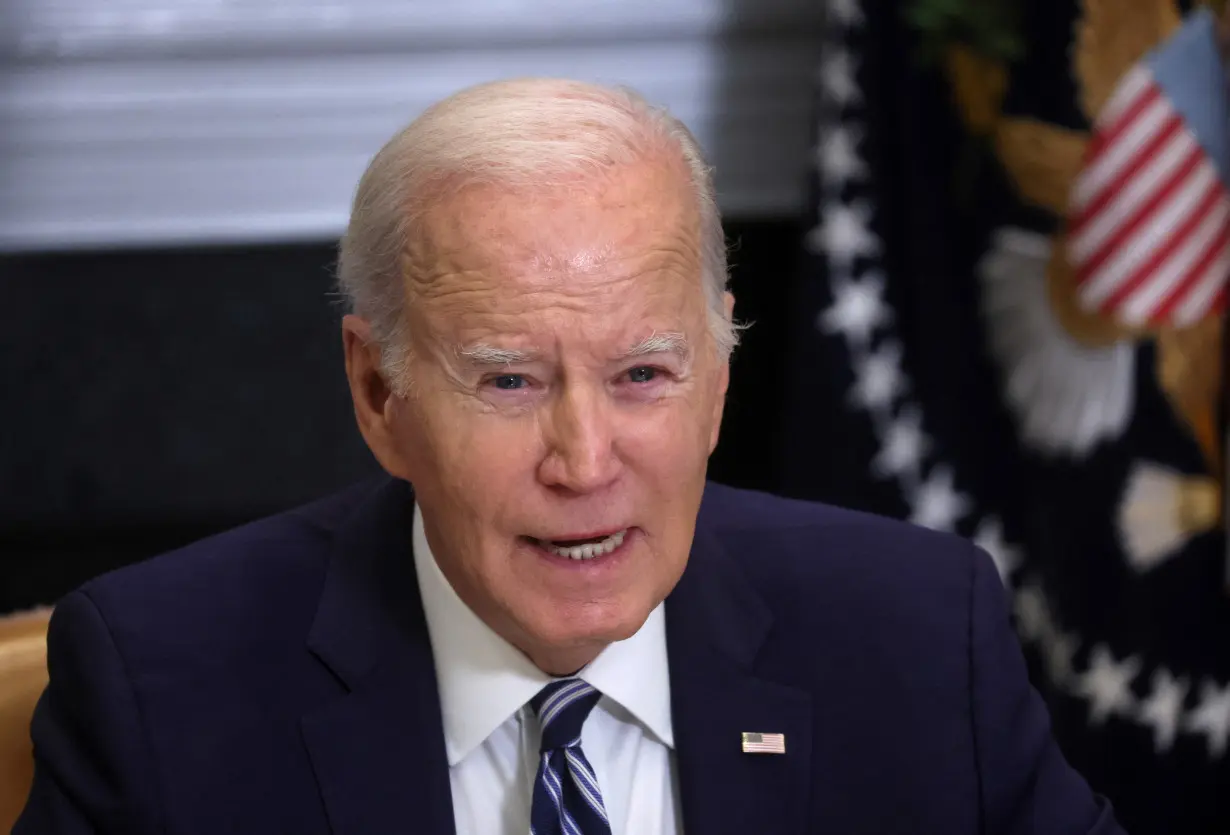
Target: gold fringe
1199	506
1188	367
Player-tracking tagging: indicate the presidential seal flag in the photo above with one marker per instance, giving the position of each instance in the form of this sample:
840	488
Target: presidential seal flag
1012	297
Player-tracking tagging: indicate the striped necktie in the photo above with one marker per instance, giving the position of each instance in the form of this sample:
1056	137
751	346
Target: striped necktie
566	797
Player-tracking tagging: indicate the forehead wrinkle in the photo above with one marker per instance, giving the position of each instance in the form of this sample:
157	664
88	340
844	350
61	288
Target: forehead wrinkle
480	259
476	246
584	262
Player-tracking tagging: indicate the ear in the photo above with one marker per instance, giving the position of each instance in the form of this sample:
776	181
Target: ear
723	381
374	400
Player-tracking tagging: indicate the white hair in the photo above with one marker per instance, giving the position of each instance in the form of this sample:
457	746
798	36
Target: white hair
523	133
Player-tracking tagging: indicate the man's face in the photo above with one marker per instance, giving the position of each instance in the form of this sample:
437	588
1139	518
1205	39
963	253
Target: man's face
565	398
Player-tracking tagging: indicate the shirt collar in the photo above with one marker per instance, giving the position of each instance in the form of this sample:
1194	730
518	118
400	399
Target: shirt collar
483	680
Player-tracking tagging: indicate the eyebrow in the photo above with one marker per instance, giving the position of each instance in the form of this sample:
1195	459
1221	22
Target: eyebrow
655	343
490	355
661	343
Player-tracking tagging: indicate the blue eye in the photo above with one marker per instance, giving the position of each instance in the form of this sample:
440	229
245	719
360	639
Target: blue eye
642	374
509	382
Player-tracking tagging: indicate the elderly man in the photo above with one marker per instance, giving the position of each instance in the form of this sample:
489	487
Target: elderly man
544	619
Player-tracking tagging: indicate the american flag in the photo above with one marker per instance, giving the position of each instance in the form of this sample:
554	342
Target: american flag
1149	219
764	743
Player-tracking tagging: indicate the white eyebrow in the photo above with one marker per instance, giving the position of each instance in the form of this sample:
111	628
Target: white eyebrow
490	355
661	343
658	343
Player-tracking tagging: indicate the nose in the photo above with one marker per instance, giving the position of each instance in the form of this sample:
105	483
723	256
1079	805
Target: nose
581	455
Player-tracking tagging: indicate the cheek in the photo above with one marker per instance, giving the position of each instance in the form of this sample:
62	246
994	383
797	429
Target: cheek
497	457
672	443
476	458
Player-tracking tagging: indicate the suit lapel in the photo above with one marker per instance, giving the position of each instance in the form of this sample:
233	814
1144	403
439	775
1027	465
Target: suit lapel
715	626
378	750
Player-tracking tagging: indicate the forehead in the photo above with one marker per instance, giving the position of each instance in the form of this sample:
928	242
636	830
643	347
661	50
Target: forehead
636	231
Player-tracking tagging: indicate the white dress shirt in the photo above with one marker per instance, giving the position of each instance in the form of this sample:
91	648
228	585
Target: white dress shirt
492	736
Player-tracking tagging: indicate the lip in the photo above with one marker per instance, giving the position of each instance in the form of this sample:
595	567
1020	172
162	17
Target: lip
576	537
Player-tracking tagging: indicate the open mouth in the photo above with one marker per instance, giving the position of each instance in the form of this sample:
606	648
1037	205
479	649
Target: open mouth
583	549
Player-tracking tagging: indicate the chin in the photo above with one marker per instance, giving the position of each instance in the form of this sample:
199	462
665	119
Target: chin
592	626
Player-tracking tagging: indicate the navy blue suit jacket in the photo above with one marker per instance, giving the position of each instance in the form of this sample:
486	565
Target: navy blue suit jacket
278	679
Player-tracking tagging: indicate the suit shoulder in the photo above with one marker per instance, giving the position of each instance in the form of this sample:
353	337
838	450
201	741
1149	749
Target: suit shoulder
808	551
734	510
252	583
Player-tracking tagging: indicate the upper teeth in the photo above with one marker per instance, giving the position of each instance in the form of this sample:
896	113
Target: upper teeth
589	550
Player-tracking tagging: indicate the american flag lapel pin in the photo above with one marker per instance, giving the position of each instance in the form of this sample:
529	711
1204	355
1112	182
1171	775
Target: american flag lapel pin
764	743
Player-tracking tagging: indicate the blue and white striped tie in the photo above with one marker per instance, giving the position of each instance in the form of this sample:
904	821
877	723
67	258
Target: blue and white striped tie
566	796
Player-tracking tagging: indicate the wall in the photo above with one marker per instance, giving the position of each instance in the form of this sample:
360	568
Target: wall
173	122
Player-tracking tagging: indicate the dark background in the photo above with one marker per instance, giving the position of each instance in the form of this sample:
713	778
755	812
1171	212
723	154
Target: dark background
150	398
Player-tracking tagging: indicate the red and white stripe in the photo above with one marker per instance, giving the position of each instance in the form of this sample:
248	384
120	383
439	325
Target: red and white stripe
1149	216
